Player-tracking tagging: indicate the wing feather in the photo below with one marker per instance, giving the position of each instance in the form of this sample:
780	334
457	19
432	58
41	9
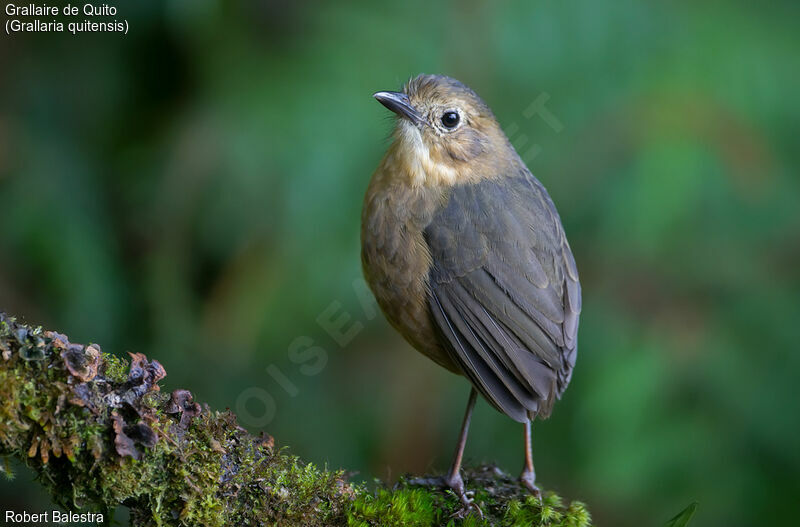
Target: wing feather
504	292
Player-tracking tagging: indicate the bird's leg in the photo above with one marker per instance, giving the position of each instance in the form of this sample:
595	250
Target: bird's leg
453	478
528	476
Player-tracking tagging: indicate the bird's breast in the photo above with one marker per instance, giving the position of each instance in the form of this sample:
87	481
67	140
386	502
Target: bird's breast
396	259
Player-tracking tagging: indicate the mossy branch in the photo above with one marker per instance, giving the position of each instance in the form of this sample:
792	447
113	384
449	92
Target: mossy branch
99	432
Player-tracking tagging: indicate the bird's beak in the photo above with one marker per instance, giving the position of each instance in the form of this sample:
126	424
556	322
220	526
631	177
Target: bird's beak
399	104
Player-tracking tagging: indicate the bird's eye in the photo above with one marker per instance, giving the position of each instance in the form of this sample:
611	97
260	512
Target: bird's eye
450	119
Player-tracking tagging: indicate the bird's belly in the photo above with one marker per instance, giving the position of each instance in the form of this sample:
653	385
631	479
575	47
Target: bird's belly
396	263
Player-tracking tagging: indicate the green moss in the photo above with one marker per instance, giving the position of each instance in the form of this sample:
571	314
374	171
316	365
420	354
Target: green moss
503	501
413	507
115	369
101	440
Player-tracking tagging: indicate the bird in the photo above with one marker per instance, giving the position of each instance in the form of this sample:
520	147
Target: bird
468	260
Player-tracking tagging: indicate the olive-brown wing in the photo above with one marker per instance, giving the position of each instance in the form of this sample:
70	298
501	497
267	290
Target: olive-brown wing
504	292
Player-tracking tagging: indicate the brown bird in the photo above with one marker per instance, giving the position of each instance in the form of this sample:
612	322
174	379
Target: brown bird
466	255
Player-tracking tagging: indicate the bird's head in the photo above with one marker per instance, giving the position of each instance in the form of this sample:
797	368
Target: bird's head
445	133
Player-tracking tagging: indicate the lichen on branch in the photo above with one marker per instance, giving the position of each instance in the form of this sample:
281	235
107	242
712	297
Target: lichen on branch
100	433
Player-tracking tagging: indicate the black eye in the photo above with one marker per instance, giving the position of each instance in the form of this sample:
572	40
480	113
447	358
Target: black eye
450	119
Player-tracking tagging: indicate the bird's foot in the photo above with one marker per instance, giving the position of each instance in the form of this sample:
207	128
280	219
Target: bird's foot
456	484
528	479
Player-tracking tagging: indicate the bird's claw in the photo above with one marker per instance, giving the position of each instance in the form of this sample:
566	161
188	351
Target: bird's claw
466	508
467	505
456	485
466	497
528	481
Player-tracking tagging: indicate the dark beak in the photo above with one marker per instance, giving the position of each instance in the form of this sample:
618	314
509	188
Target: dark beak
398	103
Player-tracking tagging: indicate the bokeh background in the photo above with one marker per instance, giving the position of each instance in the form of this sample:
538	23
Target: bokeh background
192	191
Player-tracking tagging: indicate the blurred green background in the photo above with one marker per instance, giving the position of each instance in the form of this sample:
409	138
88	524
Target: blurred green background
192	191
